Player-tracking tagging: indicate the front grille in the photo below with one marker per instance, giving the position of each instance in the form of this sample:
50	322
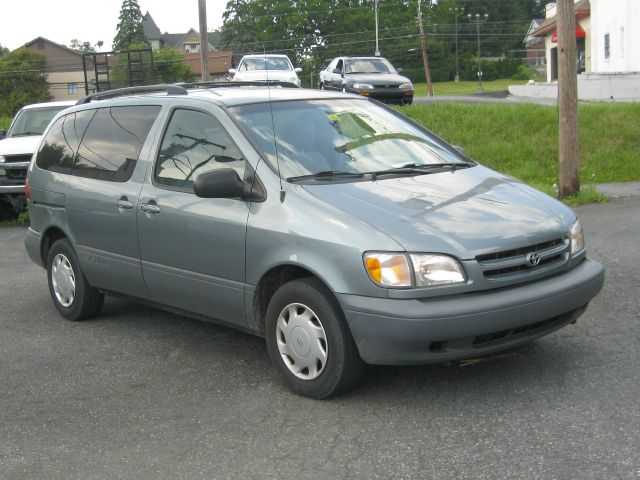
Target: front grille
16	173
17	158
514	263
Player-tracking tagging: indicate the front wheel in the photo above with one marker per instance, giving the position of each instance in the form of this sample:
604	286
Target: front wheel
72	295
309	342
322	87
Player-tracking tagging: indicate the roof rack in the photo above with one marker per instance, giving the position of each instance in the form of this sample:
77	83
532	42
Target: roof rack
232	83
122	92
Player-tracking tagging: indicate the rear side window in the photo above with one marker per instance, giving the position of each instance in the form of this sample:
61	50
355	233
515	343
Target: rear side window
112	143
59	146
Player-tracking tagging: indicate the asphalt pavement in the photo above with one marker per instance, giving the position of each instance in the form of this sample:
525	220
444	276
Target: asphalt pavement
143	394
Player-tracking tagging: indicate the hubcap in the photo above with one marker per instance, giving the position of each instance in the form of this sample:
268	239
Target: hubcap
63	280
302	341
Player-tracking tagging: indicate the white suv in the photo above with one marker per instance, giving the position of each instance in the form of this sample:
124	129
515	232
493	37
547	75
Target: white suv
16	149
266	67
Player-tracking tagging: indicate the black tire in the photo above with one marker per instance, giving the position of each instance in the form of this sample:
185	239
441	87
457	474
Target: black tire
87	301
344	368
344	89
322	87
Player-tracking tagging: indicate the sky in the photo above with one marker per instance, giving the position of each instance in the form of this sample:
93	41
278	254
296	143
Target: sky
93	20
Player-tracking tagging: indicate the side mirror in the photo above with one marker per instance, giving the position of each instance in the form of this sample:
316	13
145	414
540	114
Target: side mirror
298	70
399	70
221	183
3	133
232	71
458	148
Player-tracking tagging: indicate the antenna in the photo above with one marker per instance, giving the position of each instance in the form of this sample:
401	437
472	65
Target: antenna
273	124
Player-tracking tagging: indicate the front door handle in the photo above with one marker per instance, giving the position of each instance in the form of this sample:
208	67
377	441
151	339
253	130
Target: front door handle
150	208
124	203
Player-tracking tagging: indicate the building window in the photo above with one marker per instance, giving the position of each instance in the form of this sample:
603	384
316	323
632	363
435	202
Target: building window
72	88
191	47
607	51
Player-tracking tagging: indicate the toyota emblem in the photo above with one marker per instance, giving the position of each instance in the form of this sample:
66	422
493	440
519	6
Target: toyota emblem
533	258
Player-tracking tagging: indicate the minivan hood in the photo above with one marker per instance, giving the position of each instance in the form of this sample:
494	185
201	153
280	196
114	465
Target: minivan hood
19	145
377	78
465	213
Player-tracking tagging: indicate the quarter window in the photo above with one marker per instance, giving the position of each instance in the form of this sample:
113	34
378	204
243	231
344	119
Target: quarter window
194	143
112	143
60	145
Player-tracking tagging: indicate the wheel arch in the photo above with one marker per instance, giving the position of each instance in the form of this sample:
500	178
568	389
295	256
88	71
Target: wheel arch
49	237
273	279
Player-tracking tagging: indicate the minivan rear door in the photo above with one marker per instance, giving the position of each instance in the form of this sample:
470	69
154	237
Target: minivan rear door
102	194
193	249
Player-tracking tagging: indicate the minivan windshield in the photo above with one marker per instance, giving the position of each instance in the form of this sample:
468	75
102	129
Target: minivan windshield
33	121
346	138
264	63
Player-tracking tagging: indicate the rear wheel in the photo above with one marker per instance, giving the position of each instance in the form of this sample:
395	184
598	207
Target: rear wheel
322	87
309	342
72	295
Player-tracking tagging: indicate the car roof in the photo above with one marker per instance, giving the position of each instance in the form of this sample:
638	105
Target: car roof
262	55
64	103
227	96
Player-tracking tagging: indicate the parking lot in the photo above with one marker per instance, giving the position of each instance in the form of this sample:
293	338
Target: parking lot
143	394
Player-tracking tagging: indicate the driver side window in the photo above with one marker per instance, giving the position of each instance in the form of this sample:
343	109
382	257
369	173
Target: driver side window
194	143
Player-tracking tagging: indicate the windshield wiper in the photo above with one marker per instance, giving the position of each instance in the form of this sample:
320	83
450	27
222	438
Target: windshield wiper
24	134
419	168
326	175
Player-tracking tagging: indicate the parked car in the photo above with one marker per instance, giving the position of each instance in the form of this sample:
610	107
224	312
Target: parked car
373	77
265	67
17	146
336	228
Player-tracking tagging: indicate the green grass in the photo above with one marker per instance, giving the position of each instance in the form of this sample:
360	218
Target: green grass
5	122
21	221
522	140
464	88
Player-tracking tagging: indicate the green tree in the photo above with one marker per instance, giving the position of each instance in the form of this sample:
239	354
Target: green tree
169	66
81	47
3	50
22	80
129	30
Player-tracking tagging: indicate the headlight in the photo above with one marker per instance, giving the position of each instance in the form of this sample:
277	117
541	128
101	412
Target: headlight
3	172
395	270
577	238
2	159
433	270
362	86
406	86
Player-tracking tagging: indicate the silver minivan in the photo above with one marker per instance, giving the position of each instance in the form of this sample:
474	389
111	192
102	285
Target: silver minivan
331	225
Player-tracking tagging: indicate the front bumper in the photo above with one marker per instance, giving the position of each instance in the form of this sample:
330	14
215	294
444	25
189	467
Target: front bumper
419	331
387	95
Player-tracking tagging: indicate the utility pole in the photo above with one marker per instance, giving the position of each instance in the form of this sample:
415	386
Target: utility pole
478	17
569	175
204	40
456	11
425	55
375	7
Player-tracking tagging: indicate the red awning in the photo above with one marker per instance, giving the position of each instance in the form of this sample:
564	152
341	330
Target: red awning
580	33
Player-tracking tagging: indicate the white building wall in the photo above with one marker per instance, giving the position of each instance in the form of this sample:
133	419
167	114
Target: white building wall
621	20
